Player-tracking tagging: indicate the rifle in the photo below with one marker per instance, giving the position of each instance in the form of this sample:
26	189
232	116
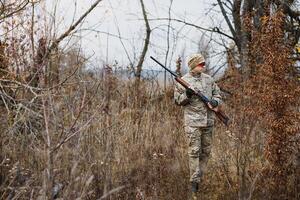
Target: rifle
220	114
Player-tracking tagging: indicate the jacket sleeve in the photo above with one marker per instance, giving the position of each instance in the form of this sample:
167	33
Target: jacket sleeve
180	95
216	93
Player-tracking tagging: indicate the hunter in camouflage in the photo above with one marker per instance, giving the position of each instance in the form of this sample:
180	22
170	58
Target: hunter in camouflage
198	119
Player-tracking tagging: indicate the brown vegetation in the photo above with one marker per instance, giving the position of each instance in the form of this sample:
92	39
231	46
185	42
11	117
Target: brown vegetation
72	134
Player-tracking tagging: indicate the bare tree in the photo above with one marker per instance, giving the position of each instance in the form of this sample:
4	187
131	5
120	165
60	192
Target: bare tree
168	43
11	8
53	47
239	15
146	44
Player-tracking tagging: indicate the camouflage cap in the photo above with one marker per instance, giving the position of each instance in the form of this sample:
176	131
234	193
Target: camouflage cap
195	60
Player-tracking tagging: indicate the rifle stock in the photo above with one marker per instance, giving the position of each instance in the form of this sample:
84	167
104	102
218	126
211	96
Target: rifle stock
219	113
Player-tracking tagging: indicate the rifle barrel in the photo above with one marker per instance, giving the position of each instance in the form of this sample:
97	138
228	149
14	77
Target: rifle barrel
164	66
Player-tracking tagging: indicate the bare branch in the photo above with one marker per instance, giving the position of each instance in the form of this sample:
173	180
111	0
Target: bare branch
288	10
215	29
224	13
237	21
71	28
146	44
168	43
20	7
112	192
230	2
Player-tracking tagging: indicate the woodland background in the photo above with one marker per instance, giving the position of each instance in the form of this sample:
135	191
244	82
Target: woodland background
72	133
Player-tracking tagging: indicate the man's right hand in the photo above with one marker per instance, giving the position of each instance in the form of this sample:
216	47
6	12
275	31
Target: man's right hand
216	109
189	92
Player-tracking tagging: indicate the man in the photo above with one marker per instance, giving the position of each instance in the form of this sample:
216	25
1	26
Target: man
198	119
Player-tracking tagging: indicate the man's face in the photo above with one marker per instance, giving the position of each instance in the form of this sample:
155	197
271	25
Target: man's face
199	68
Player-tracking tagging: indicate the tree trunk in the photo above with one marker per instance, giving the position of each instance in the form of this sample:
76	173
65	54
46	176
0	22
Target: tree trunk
145	48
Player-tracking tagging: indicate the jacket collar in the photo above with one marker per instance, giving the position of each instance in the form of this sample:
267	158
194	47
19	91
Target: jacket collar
198	75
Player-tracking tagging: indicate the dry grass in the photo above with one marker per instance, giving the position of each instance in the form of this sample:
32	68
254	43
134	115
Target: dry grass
102	138
133	144
121	146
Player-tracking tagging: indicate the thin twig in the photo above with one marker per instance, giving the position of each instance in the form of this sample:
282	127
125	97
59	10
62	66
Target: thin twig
112	192
215	29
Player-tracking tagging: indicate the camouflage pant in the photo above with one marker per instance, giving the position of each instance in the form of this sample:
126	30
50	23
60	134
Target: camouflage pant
200	139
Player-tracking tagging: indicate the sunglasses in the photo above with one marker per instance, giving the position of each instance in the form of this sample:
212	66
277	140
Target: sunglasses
201	64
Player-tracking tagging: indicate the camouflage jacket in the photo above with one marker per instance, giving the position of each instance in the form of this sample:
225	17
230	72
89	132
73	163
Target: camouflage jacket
196	113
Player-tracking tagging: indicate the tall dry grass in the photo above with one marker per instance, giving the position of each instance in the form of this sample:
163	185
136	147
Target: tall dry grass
136	145
122	145
99	136
110	142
